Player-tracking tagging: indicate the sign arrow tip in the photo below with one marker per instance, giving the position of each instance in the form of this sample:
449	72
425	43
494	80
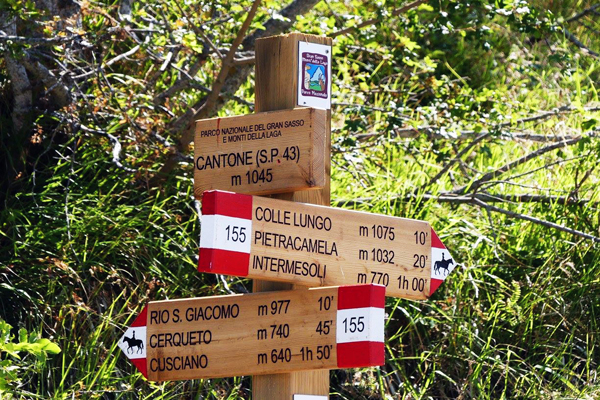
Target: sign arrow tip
442	262
133	342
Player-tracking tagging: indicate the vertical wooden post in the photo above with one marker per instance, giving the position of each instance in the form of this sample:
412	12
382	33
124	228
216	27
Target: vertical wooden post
276	89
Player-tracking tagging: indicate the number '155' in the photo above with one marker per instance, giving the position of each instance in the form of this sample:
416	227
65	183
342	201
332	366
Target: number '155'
355	324
236	233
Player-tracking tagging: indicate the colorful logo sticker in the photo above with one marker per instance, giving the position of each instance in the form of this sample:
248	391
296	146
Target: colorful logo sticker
314	75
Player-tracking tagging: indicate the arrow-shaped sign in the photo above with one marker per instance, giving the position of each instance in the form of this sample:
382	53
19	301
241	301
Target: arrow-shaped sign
311	245
260	333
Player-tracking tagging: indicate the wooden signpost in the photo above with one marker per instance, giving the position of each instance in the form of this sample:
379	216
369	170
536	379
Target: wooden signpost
260	333
264	153
312	245
278	69
287	339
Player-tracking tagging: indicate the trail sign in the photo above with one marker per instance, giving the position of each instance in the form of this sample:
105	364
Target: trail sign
312	245
277	89
259	333
270	152
314	75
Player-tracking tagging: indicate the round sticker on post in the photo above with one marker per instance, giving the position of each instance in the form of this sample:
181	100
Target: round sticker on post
314	75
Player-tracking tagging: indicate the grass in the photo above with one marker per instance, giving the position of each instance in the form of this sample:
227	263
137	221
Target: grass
517	319
84	244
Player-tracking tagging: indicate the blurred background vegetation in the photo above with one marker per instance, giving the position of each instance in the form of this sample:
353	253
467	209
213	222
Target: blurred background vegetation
481	117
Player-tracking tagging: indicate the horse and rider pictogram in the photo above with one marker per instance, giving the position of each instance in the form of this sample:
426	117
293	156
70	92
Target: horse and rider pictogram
133	342
443	264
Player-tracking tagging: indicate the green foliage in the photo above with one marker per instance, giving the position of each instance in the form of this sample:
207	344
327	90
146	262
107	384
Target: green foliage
13	368
85	242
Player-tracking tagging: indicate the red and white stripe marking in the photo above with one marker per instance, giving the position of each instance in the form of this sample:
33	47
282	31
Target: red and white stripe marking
359	326
440	255
137	331
226	233
359	329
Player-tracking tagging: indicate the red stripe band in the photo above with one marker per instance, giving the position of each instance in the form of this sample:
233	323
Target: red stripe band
435	240
360	354
227	203
141	319
434	285
224	262
141	365
361	296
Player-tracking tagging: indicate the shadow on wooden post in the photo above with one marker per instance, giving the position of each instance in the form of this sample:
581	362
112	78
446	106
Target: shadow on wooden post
277	89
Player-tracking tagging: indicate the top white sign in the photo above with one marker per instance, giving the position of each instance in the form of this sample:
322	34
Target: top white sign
314	75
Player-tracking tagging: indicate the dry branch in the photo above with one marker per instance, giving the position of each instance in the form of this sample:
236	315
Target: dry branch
483	200
473	186
110	62
116	150
209	104
38	40
458	157
373	21
435	132
536	220
237	75
589	10
468	198
183	82
578	43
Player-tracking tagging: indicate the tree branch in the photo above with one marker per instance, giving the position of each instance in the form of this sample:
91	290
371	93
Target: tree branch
38	40
482	200
585	12
21	86
455	159
209	104
238	74
59	91
577	43
466	199
433	132
373	21
275	26
182	82
491	175
536	220
110	62
116	151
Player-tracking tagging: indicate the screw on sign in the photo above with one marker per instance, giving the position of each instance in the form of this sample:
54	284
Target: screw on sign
311	245
271	332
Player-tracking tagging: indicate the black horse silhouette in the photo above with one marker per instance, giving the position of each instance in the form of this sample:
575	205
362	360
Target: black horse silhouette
442	264
133	342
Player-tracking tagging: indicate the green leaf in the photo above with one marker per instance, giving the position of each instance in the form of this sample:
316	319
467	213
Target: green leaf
589	124
48	346
12	349
258	25
4	332
23	335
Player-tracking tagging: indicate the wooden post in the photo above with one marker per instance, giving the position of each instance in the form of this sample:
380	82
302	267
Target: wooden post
277	89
